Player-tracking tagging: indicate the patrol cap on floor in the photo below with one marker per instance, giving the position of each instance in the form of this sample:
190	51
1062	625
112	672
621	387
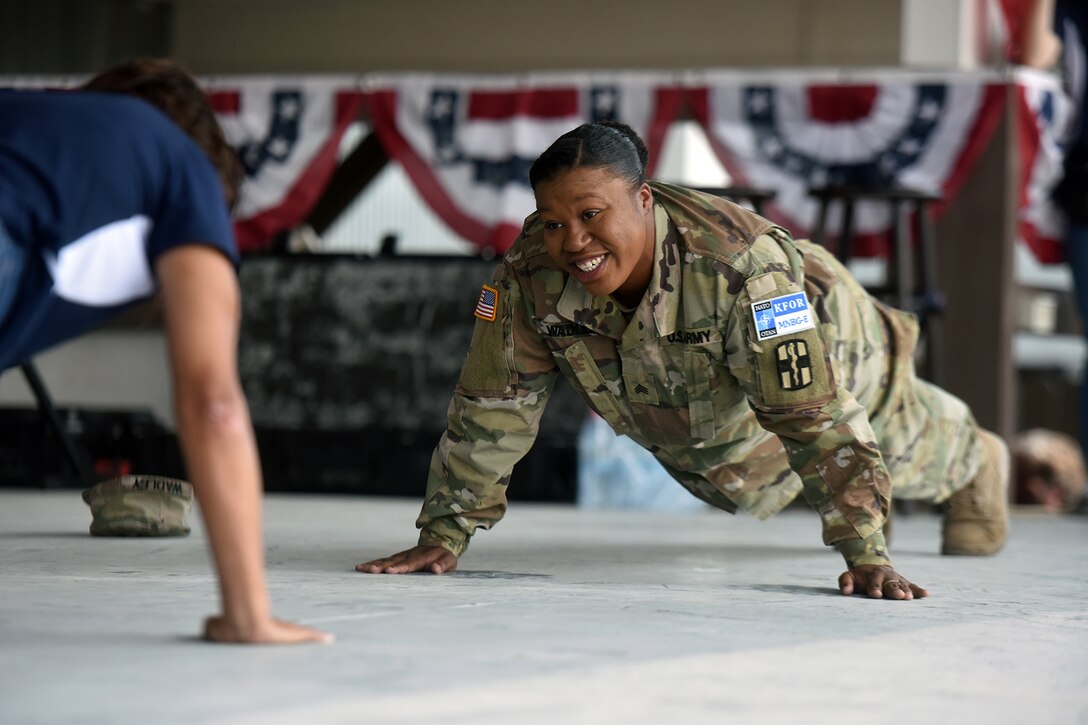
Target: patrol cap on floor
140	506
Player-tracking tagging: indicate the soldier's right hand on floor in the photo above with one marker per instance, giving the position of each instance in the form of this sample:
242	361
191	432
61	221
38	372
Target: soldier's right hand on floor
434	559
879	582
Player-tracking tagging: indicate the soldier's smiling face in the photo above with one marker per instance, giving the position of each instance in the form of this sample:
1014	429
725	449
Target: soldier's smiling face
600	230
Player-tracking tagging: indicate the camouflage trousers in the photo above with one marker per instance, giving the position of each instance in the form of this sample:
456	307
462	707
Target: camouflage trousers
930	448
928	437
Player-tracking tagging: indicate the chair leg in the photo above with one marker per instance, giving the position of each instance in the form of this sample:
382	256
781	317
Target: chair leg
819	232
904	267
45	404
845	248
932	302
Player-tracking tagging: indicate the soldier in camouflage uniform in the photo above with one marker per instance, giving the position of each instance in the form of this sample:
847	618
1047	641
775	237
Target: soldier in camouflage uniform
753	367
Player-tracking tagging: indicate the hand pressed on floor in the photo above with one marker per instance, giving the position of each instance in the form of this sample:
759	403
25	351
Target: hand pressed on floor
879	582
434	559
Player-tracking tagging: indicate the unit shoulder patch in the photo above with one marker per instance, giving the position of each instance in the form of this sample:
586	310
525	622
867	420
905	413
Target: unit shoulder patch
794	364
794	373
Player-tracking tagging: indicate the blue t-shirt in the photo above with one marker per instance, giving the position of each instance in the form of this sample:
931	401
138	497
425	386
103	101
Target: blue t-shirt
93	188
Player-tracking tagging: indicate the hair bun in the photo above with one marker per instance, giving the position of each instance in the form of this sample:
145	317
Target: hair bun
628	133
607	145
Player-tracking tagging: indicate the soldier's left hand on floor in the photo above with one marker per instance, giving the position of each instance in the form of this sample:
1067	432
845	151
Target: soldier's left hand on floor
879	582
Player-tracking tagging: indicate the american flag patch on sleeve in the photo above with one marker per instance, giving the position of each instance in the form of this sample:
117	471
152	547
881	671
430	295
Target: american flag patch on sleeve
488	306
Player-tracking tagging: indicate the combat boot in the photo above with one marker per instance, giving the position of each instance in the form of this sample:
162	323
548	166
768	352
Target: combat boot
976	521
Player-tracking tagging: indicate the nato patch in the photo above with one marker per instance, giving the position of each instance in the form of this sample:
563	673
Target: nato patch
794	365
783	315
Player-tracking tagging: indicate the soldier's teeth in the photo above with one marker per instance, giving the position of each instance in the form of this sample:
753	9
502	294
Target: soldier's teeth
590	264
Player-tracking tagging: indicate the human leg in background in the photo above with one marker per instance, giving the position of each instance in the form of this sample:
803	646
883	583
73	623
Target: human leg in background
1077	253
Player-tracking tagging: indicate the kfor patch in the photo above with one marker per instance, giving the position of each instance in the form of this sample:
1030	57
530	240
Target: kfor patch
782	315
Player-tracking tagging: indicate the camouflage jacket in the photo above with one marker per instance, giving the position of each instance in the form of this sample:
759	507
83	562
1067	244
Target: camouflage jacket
705	362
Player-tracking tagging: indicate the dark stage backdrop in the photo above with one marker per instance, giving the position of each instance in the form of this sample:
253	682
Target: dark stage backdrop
349	364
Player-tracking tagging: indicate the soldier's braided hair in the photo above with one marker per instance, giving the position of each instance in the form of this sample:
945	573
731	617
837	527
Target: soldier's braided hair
167	85
605	144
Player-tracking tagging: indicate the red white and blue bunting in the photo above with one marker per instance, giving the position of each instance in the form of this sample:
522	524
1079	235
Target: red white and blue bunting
1045	113
287	132
791	133
467	142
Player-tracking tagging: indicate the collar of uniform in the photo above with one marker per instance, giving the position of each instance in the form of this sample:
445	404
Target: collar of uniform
600	314
656	315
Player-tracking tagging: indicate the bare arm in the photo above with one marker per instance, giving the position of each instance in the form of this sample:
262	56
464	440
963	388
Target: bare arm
1041	46
202	308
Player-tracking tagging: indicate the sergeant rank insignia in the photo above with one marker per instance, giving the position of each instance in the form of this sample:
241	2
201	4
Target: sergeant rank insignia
488	306
794	365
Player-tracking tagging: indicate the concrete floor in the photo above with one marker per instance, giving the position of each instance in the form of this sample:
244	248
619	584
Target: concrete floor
558	615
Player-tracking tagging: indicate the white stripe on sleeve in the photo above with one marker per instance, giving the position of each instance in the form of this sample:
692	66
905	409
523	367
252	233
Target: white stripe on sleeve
107	266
